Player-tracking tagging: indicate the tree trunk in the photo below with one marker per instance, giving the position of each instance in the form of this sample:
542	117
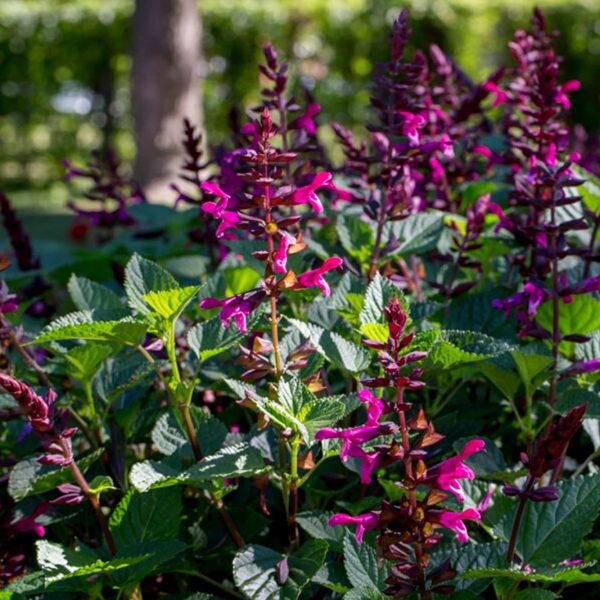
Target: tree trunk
165	88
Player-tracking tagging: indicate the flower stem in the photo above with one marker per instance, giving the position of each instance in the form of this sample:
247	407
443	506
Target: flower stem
93	498
293	495
518	518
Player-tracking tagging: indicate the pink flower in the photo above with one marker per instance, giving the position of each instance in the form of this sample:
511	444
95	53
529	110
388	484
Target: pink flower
315	276
8	301
411	125
307	195
236	307
500	95
437	171
454	521
375	406
365	522
280	262
446	474
215	208
218	209
305	120
564	89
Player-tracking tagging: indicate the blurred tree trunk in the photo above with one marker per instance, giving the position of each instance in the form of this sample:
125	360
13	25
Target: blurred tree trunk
165	88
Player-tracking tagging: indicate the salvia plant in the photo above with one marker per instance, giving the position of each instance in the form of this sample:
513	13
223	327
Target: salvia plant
369	373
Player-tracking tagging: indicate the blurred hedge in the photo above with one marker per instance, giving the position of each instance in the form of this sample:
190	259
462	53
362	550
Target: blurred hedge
64	87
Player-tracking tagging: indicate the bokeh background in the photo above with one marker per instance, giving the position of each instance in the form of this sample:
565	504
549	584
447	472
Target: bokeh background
65	85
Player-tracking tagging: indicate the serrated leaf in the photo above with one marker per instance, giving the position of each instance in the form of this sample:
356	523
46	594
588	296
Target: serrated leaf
254	570
143	276
85	361
356	237
102	483
169	438
458	347
360	562
379	293
150	516
29	478
169	304
589	190
566	575
416	234
127	331
59	563
314	522
581	316
211	338
237	460
334	348
90	295
466	557
553	531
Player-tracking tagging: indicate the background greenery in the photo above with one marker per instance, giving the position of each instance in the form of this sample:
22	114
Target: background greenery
64	88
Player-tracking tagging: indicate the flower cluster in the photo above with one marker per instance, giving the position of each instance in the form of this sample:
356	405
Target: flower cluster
45	419
109	188
258	213
407	528
544	184
549	452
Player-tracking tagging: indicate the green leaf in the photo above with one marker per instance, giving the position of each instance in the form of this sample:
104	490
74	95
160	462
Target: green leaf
503	379
564	575
143	276
127	331
589	190
209	339
417	234
581	316
459	347
29	478
333	347
553	531
101	483
529	367
237	460
356	237
467	557
360	562
168	436
90	295
571	394
314	522
254	570
59	563
85	361
169	304
150	516
379	293
364	593
534	594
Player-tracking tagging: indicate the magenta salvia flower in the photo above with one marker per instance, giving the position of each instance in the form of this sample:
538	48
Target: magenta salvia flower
305	120
455	521
280	260
365	522
307	194
236	307
579	368
446	475
8	301
315	276
215	208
